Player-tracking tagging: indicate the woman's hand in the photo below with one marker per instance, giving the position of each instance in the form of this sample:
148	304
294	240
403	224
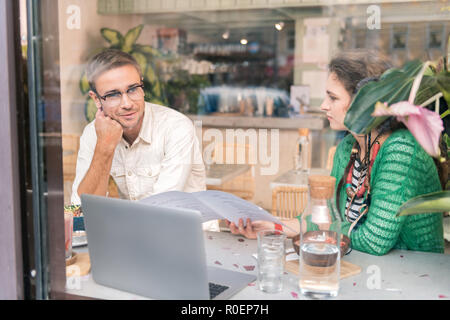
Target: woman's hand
251	229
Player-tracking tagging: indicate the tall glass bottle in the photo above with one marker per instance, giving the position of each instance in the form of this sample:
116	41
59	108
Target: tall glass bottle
320	237
302	156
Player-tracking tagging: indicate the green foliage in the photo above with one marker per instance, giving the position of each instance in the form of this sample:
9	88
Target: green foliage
428	203
394	86
145	56
446	139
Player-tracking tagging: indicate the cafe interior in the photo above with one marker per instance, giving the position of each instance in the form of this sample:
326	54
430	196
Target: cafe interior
251	75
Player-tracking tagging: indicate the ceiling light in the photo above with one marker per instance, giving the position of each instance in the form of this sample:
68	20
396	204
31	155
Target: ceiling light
226	35
244	41
279	26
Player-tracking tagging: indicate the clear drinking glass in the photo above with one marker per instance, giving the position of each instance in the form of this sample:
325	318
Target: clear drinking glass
271	258
320	236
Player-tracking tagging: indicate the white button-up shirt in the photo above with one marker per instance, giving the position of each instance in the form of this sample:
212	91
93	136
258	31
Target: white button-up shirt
165	157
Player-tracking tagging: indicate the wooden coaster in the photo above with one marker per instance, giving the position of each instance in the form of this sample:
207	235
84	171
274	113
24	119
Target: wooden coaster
81	266
347	269
72	259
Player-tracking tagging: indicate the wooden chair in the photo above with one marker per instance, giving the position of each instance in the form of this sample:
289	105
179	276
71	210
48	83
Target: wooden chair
70	146
243	185
112	188
331	153
288	202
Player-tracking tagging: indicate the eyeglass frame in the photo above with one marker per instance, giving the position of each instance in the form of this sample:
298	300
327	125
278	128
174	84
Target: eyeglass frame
121	93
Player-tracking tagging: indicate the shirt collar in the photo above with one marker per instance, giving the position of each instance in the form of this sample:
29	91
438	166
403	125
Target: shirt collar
147	127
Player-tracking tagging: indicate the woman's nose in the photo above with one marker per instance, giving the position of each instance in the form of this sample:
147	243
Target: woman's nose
324	106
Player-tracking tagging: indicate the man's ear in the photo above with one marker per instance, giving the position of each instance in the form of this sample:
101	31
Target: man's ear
95	98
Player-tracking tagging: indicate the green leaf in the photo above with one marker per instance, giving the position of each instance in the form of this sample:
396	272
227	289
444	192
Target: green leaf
147	50
114	37
141	60
90	109
150	74
443	82
435	202
428	88
84	84
394	86
131	37
156	89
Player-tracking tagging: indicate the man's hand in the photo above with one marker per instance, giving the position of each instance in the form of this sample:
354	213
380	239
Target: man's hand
251	229
109	132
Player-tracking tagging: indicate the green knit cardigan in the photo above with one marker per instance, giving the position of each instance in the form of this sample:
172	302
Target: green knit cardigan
402	170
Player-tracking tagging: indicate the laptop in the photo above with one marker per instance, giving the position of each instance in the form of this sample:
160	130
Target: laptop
154	252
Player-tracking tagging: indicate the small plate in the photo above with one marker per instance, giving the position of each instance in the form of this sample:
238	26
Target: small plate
79	239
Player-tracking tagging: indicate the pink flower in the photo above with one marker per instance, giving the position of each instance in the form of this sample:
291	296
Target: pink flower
425	125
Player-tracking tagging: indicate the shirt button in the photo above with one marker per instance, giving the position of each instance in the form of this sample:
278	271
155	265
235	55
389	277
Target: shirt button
129	173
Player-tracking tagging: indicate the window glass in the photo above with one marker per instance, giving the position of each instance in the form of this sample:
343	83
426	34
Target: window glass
232	64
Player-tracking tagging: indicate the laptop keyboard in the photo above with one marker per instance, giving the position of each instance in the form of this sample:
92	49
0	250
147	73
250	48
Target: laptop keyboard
216	289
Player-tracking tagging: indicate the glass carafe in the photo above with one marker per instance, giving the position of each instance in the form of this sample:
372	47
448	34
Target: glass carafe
320	234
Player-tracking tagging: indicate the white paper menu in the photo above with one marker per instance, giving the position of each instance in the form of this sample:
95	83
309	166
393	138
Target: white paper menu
212	205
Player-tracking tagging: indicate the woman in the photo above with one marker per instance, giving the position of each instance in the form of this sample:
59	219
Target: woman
369	195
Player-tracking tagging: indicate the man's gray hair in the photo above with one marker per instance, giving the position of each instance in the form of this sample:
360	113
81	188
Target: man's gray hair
107	60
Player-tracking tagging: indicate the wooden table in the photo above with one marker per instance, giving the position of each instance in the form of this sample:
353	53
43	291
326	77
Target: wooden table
217	174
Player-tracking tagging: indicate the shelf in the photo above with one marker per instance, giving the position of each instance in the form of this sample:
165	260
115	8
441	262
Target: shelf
312	122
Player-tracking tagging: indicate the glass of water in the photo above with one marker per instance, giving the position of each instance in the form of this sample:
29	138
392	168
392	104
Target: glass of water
271	258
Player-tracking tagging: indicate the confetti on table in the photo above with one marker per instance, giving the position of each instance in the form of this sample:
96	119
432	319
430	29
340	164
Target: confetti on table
252	284
294	295
237	266
401	256
241	240
210	237
249	268
217	262
354	284
423	275
441	296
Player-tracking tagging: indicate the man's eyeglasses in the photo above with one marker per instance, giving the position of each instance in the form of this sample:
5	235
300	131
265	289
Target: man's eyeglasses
114	98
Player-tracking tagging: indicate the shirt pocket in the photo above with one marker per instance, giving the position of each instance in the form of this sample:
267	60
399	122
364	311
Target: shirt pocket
147	177
119	176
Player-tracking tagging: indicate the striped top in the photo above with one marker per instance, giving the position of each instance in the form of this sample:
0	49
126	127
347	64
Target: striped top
402	170
358	175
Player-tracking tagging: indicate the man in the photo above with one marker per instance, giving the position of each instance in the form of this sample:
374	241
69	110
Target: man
146	148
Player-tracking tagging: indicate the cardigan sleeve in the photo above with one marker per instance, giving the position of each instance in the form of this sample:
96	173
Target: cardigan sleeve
394	180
